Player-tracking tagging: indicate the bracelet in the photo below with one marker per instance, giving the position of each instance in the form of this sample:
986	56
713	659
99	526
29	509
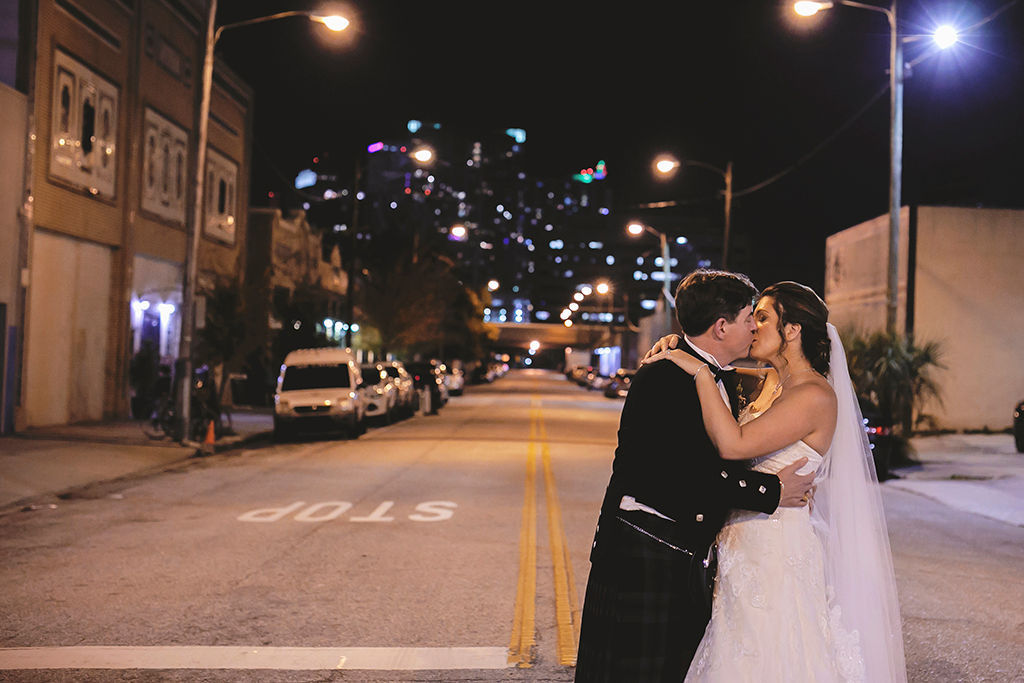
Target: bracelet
697	374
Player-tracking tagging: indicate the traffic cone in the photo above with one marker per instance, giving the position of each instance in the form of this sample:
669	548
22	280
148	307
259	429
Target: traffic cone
208	442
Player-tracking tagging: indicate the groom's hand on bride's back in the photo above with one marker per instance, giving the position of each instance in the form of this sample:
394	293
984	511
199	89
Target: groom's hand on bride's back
666	343
796	488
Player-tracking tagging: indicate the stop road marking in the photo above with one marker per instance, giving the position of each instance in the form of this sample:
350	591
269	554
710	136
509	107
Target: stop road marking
429	511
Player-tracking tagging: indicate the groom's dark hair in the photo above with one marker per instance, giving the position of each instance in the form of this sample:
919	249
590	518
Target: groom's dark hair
706	295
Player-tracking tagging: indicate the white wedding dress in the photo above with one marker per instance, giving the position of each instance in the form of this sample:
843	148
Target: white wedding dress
770	618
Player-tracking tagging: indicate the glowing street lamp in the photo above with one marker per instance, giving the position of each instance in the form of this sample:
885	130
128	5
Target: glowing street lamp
493	285
636	229
194	226
603	288
458	232
666	166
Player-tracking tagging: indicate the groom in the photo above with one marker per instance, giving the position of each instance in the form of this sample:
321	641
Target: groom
669	494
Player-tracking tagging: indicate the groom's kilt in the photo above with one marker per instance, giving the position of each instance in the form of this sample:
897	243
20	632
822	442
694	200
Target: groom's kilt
641	621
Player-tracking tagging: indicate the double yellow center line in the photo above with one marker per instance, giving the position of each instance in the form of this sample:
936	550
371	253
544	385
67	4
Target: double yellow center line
521	649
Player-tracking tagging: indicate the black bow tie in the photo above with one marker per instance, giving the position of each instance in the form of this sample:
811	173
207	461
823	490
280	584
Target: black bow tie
721	375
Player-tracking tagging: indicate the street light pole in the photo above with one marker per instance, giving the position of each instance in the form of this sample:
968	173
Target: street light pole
194	227
667	165
895	167
636	228
810	7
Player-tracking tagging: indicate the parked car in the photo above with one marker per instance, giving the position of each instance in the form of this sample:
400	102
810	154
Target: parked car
427	376
618	385
881	438
378	392
581	374
1018	426
454	378
408	399
318	389
597	381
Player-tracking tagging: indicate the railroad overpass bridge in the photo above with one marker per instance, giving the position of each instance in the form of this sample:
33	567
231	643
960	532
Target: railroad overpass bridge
514	336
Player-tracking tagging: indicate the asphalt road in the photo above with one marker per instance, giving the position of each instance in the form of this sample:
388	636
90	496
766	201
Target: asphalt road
447	544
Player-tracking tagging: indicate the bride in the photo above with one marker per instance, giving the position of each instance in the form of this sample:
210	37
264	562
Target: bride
801	595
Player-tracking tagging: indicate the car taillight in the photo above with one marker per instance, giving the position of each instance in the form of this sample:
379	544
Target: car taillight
416	377
880	431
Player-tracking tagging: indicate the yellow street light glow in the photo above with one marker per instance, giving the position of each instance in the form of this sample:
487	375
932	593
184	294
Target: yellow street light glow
492	285
946	36
603	288
334	22
586	290
565	313
423	155
459	232
578	296
808	8
635	228
574	307
568	323
666	165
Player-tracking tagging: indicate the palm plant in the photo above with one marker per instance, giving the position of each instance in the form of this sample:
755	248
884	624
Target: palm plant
895	374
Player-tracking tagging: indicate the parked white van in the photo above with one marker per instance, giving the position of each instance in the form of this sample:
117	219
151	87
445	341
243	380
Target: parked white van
318	389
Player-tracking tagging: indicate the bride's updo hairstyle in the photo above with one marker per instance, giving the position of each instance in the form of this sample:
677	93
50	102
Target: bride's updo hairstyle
799	305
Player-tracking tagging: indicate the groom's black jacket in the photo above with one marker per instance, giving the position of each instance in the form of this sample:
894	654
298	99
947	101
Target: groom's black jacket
666	460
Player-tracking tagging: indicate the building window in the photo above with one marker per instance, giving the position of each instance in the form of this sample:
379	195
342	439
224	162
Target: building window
163	191
221	180
84	131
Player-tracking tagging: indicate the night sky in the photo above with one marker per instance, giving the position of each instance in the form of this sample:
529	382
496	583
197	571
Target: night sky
740	80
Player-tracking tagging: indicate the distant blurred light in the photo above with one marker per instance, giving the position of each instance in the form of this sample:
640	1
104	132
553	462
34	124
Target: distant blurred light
704	263
458	232
330	194
648	304
681	240
637	275
586	290
493	285
518	134
568	323
610	260
360	195
603	288
423	155
528	361
556	244
574	307
603	211
946	36
596	245
578	296
305	206
394	205
413	125
355	327
375	147
542	315
305	178
635	228
565	314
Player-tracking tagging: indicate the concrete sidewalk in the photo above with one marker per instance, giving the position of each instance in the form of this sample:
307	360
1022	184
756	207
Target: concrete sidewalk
979	473
50	460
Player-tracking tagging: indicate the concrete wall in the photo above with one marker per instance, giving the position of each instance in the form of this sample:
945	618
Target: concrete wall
965	287
13	126
856	274
968	285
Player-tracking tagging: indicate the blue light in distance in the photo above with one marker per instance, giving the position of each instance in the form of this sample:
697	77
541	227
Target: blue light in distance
414	125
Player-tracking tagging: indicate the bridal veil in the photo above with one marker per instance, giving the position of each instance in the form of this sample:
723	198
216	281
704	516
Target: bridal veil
850	521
